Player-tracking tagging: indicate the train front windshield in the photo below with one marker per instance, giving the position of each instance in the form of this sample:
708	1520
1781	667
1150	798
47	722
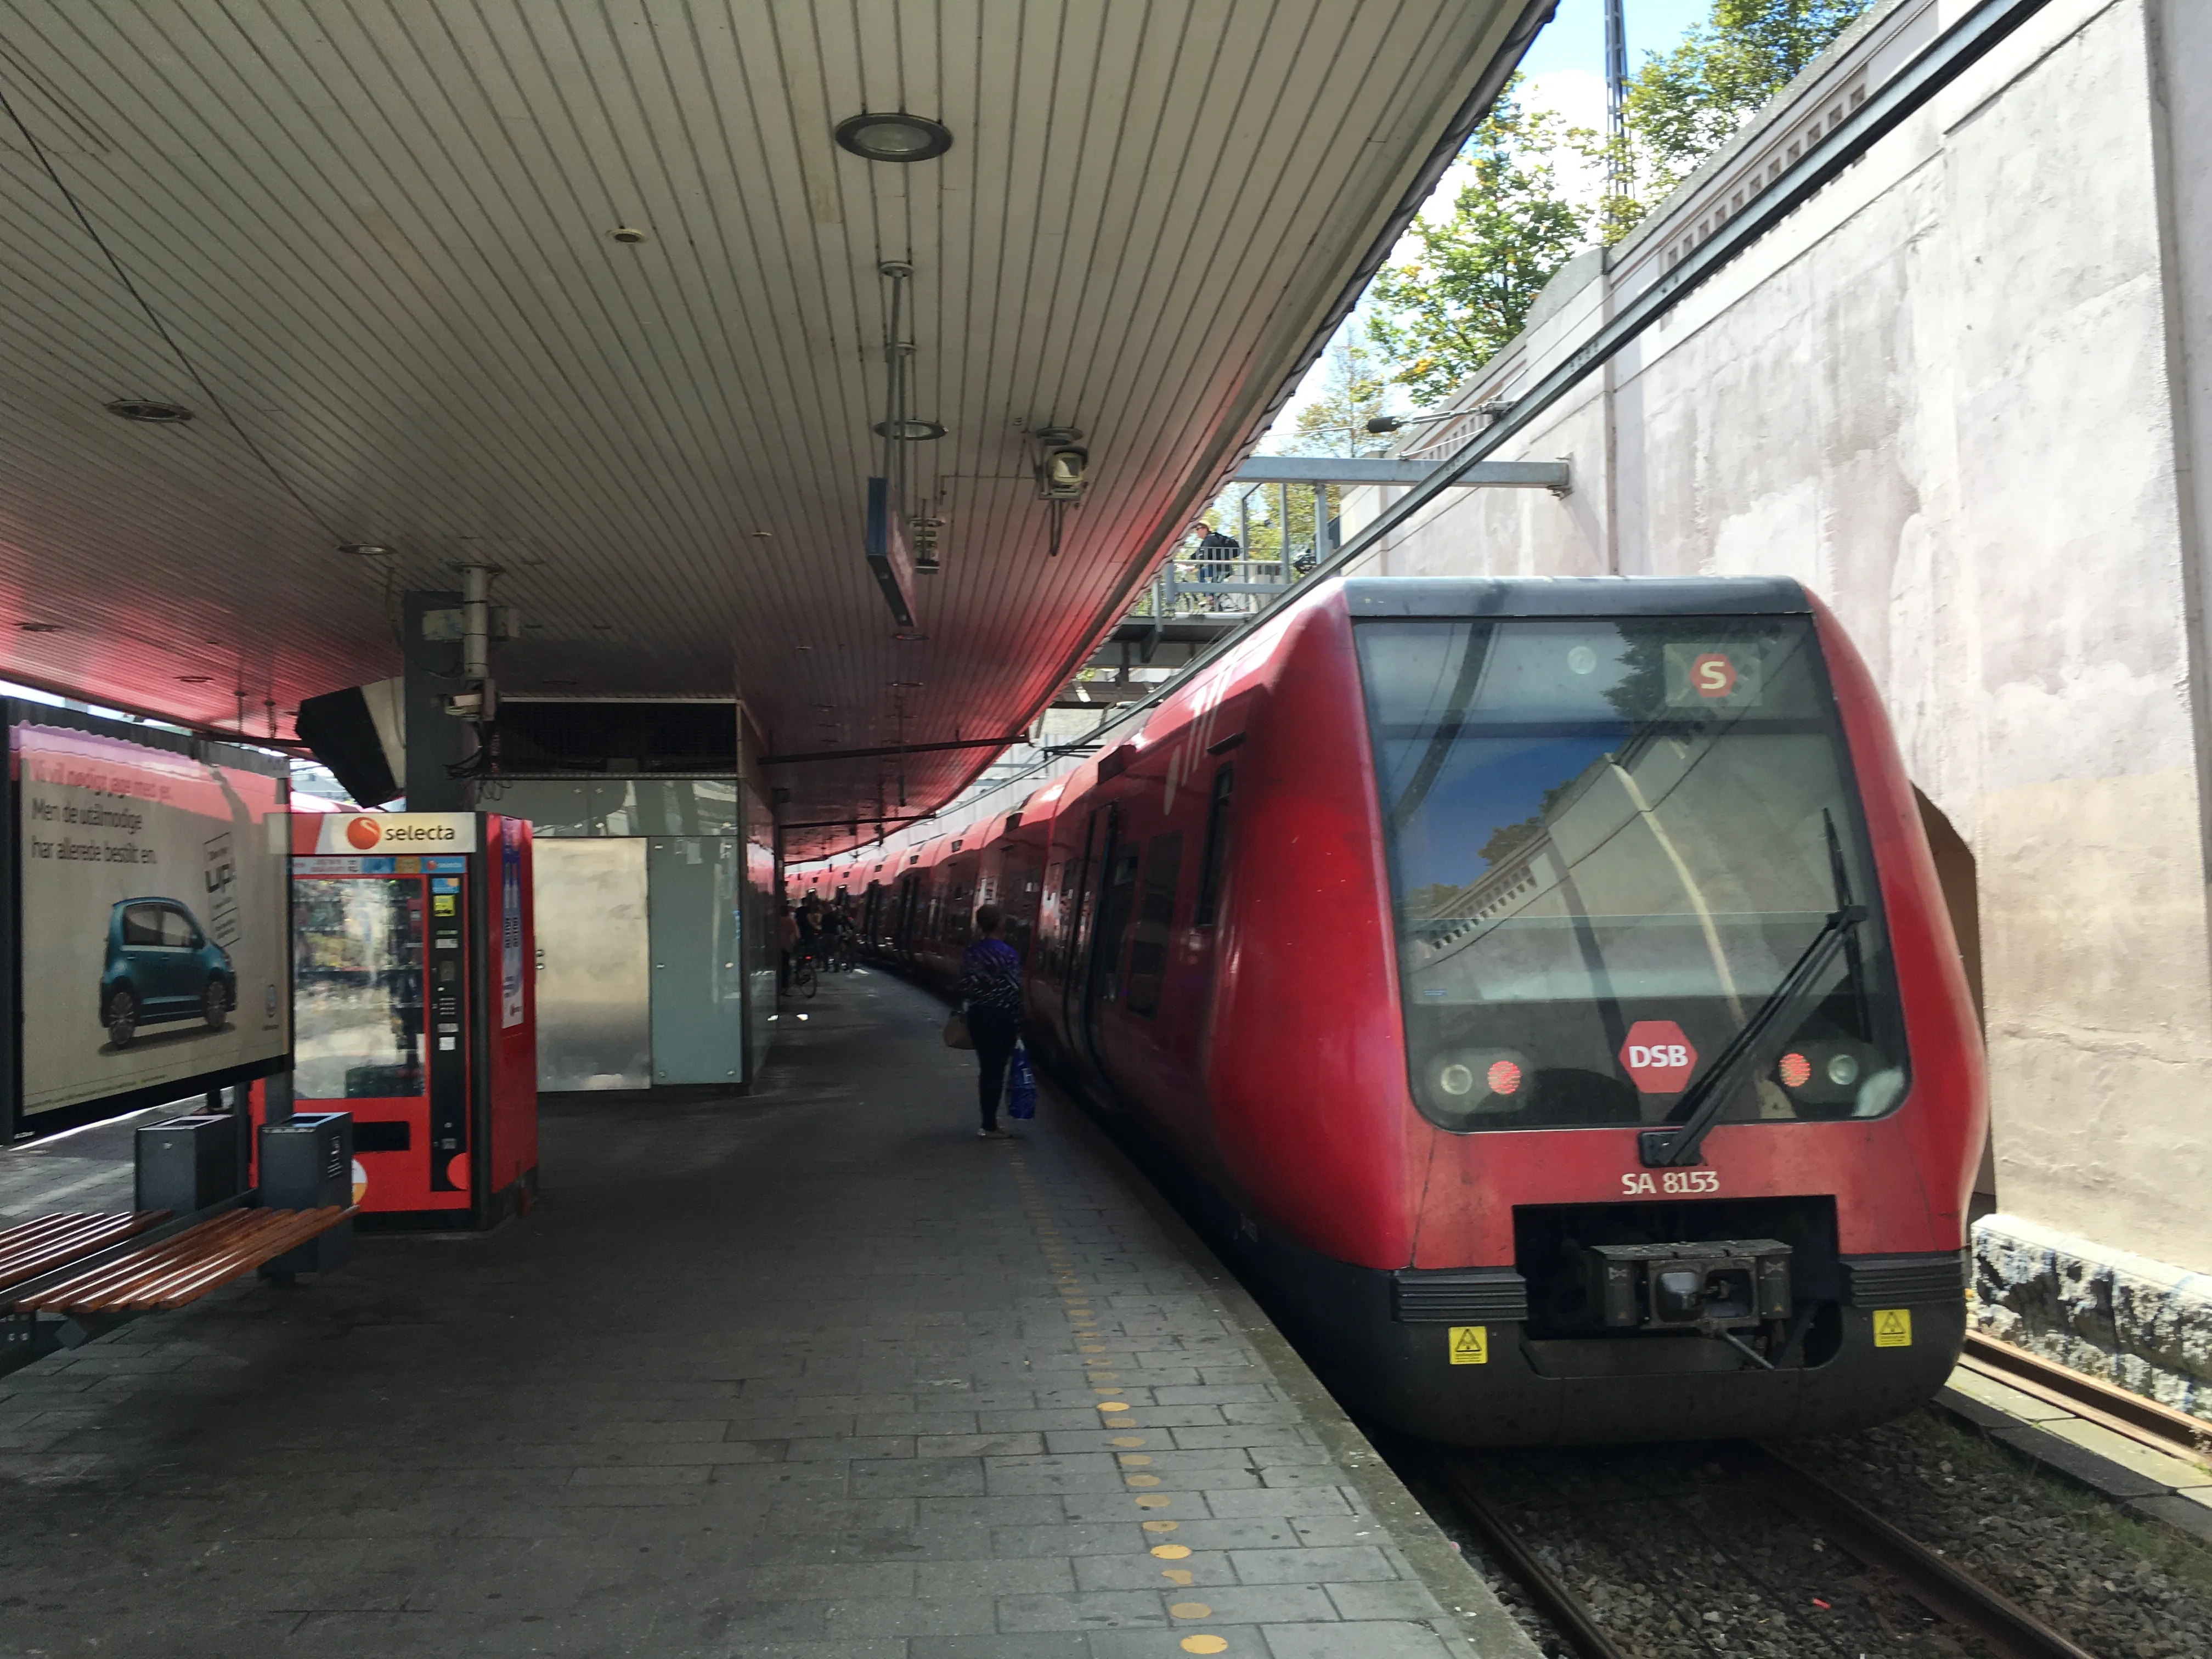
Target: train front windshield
1611	841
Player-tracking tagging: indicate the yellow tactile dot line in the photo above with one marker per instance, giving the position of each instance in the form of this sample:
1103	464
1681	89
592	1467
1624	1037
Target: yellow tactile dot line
1083	1324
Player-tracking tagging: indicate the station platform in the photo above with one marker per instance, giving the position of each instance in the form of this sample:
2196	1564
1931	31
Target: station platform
812	1373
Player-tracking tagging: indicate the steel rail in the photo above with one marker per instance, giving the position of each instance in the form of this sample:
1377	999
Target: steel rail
2145	1421
2009	1631
1574	1621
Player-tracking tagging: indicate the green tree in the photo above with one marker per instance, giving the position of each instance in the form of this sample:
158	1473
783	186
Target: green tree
1679	107
1355	389
1467	289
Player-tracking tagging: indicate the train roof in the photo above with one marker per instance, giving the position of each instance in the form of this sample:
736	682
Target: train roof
1578	596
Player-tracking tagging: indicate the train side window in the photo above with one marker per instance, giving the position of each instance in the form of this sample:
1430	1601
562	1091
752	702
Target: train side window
1215	848
1148	951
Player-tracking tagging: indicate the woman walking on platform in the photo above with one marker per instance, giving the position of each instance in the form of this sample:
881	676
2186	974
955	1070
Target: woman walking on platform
991	1002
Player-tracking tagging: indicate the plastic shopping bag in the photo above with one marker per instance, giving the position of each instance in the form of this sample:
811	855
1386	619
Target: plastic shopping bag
1021	1085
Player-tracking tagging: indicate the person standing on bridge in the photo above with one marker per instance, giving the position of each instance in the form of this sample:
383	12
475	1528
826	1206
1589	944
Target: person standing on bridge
991	1002
1218	553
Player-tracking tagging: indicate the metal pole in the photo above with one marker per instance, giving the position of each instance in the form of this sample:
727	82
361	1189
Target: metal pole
1616	88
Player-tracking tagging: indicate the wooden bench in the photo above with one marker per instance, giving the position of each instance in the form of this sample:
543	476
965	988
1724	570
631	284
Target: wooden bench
32	1249
95	1271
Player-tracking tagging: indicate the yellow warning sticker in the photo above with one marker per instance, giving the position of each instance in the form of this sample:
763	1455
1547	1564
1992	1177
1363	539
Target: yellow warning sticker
1470	1345
1893	1328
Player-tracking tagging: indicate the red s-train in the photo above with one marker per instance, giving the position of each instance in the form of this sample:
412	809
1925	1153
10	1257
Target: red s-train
1547	980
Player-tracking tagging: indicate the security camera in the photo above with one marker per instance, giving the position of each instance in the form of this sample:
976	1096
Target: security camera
1062	471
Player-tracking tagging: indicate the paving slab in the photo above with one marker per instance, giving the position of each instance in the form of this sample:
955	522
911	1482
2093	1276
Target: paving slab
811	1372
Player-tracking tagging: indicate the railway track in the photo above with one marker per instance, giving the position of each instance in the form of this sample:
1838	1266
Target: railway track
2000	1625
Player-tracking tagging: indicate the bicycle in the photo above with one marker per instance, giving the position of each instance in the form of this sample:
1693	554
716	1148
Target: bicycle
805	981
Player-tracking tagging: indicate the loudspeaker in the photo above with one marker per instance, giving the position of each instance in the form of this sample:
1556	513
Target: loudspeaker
361	734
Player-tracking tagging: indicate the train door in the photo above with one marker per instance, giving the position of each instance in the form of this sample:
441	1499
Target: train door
1118	868
1073	958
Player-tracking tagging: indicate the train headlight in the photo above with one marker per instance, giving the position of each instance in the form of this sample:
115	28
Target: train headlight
1456	1078
1843	1070
1504	1077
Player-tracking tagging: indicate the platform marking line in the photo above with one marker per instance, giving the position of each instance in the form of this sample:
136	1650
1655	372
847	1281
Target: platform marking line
1205	1644
1083	1323
1191	1610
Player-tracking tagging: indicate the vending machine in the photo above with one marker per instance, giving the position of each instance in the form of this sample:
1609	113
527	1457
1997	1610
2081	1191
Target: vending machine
413	1008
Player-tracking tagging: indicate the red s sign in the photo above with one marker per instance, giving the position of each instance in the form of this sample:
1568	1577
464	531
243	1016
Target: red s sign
1712	675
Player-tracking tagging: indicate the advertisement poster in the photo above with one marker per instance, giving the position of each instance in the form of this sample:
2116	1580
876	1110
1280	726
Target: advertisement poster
154	916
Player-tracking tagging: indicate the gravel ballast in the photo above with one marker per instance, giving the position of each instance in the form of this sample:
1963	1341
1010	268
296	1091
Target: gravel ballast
1675	1554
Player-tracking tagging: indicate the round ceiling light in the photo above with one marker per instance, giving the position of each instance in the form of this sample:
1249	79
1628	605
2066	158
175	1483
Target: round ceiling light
144	409
910	432
196	679
365	549
900	137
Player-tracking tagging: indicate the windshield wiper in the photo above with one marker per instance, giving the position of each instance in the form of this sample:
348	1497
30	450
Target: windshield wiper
1794	996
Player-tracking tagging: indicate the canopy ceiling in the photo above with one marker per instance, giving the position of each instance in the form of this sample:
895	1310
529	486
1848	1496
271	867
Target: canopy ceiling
368	246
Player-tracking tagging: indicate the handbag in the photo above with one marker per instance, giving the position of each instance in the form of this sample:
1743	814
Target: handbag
956	1033
1021	1085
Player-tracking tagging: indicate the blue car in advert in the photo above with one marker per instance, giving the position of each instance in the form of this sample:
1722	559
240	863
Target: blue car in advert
161	966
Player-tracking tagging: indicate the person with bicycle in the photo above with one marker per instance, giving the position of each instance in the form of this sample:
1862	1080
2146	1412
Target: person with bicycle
837	940
787	945
807	958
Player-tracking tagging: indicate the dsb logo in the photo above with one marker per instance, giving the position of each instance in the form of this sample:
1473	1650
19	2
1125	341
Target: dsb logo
1658	1056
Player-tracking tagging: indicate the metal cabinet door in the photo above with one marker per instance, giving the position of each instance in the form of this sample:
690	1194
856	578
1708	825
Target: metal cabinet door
594	981
698	983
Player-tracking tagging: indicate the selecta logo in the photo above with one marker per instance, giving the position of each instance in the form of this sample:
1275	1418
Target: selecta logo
1658	1056
363	833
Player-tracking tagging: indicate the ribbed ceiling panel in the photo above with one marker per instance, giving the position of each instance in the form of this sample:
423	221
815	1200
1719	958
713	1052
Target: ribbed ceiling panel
379	234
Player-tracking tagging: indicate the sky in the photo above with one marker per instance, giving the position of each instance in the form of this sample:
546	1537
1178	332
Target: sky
1563	70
